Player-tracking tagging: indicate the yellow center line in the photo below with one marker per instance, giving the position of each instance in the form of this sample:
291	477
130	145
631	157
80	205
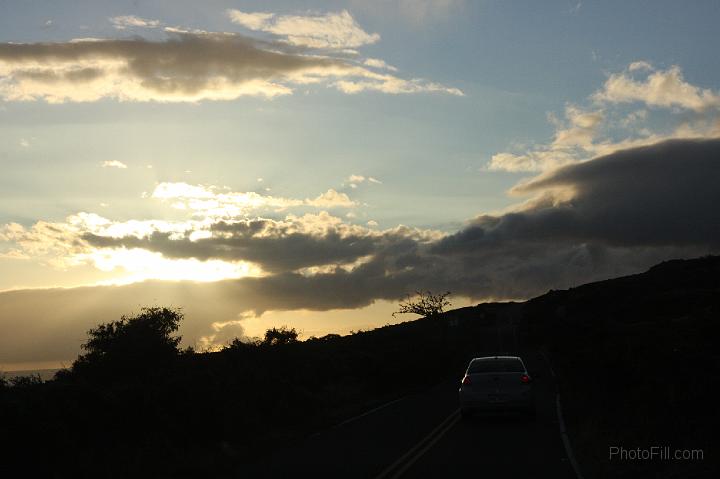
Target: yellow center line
411	456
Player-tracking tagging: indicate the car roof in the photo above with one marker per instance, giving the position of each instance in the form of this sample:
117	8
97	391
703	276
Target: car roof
486	358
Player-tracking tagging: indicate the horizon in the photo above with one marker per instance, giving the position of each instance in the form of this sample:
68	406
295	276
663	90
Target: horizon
310	163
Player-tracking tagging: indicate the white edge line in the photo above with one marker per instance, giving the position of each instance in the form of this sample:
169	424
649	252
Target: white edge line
561	423
566	439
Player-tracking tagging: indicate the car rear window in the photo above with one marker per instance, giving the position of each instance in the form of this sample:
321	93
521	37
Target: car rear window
500	365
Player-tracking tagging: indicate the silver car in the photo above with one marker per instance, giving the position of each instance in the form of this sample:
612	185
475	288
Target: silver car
497	383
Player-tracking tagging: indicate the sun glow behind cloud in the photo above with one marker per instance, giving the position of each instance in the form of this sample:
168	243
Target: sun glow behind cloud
216	237
140	265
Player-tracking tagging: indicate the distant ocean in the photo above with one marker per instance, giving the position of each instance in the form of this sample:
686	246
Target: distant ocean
45	374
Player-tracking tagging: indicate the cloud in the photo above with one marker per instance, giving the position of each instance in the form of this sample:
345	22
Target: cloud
114	164
393	85
657	195
639	66
52	244
223	333
377	63
332	199
123	22
206	201
253	21
353	181
210	201
203	247
62	246
185	67
661	88
291	244
329	30
574	137
582	129
606	217
605	127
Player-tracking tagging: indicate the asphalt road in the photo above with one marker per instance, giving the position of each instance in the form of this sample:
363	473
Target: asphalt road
423	436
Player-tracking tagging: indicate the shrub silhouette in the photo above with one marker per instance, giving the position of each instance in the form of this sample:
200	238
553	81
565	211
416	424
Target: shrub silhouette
132	345
424	303
26	381
280	336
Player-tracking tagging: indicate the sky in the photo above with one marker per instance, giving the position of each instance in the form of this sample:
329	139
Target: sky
310	163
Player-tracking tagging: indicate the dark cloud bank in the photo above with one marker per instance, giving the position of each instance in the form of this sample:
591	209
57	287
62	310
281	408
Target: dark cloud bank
614	215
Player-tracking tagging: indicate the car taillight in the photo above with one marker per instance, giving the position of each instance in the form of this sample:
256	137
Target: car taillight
525	378
466	380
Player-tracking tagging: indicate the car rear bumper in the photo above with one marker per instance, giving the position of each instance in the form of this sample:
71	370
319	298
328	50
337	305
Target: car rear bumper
483	402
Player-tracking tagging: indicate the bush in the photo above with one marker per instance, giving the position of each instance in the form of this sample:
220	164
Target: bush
280	336
132	345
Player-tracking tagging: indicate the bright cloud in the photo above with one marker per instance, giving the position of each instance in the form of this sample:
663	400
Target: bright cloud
393	85
331	199
377	63
606	127
640	65
123	22
661	88
295	243
354	180
253	21
51	244
210	249
210	201
330	30
114	164
573	136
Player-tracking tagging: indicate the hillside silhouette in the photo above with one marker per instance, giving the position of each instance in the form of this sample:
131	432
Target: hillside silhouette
638	363
635	358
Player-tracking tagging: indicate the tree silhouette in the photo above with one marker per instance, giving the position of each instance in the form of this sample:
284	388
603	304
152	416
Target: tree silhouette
280	336
424	303
132	344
